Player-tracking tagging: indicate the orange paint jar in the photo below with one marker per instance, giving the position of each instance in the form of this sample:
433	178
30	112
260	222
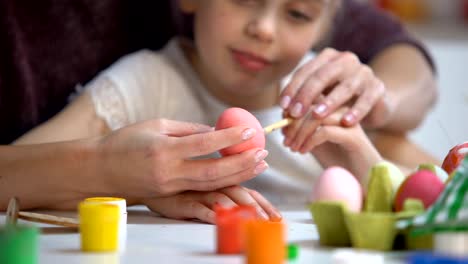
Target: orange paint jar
230	228
265	242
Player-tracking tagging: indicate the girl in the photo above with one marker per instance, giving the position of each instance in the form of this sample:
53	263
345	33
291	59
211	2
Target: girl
243	54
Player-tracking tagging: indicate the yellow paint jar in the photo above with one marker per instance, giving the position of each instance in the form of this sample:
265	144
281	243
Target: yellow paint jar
122	204
99	226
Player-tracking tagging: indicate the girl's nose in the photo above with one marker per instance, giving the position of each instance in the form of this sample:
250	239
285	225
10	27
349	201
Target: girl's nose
262	28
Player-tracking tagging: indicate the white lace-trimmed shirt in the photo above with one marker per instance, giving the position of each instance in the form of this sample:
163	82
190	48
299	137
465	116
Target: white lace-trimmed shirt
150	85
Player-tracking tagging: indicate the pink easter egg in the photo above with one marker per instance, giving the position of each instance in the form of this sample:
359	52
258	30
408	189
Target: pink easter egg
338	184
237	116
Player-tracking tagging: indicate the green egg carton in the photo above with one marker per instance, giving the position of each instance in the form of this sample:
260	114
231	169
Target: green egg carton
422	242
367	230
330	220
380	194
375	231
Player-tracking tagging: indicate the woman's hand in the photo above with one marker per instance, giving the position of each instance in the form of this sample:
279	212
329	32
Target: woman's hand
332	144
334	79
200	205
154	158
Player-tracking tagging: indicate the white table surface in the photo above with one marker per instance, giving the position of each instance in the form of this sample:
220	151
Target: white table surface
152	239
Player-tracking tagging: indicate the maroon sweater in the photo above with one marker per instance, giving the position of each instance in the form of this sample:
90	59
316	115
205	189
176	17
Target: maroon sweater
48	47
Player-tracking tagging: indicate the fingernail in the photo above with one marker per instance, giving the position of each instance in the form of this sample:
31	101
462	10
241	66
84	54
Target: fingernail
260	155
263	215
248	133
293	146
261	167
287	141
276	216
297	109
349	118
285	101
211	217
320	109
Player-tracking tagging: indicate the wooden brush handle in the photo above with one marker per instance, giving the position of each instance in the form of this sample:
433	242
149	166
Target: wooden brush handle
49	219
280	124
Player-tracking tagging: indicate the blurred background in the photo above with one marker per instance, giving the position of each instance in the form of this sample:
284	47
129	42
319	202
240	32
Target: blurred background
443	26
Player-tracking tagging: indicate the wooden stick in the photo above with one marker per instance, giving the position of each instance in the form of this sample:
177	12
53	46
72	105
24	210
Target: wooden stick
49	219
280	124
13	214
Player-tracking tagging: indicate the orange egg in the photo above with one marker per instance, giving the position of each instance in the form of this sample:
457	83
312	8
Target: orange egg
239	117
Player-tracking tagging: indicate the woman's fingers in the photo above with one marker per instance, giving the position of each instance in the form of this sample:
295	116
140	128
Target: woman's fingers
234	179
347	79
313	83
178	128
207	143
212	169
372	104
340	94
309	82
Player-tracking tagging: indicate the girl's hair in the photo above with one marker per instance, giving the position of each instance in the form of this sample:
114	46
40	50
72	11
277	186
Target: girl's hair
184	22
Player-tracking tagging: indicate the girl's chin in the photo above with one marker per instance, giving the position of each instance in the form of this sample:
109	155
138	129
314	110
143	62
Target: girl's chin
245	88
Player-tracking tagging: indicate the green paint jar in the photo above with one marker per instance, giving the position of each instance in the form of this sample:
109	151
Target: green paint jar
19	245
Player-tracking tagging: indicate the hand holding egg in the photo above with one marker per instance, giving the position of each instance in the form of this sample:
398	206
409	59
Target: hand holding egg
237	116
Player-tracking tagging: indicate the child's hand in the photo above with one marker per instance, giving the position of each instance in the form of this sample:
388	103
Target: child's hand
341	78
200	205
332	144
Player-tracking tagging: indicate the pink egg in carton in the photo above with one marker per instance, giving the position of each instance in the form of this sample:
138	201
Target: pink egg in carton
374	227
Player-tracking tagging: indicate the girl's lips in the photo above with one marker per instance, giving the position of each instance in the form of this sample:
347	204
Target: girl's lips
250	61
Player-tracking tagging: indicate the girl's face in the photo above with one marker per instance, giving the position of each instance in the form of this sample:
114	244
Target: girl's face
244	47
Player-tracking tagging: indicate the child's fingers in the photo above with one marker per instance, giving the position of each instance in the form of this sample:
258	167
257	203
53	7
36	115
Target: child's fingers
307	129
242	197
182	206
291	130
333	131
333	134
272	212
195	209
210	199
335	118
